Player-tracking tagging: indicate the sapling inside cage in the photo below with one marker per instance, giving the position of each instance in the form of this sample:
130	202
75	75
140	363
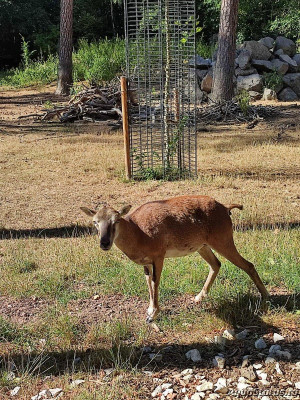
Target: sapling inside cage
160	43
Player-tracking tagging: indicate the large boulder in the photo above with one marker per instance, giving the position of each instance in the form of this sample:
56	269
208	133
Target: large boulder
206	84
200	74
278	52
243	59
200	63
293	81
268	42
252	82
245	72
297	59
254	95
262	65
291	63
280	66
257	50
287	45
287	94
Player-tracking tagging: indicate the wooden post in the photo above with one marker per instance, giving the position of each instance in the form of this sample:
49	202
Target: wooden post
125	126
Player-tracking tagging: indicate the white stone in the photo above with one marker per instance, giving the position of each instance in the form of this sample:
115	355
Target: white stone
242	386
277	337
219	362
198	396
265	398
200	377
15	391
297	385
55	392
263	375
206	385
257	366
222	382
193	355
260	344
156	391
269	94
187	377
229	334
278	370
168	391
297	365
187	371
221	386
214	396
183	390
109	371
166	385
77	382
42	395
149	373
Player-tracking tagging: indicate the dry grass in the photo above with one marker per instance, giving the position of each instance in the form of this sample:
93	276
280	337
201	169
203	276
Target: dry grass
43	182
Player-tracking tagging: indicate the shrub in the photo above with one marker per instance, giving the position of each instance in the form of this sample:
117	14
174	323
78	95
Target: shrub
272	80
243	99
96	62
99	62
205	50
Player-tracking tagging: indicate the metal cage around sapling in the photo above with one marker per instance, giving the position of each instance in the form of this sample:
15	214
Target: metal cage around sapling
160	42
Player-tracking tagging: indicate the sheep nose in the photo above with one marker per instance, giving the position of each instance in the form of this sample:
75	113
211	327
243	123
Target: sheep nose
104	244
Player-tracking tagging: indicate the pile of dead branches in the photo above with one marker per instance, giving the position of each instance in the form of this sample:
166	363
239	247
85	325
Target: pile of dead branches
90	104
230	112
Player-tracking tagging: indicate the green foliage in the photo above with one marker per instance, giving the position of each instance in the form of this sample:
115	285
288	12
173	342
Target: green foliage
99	62
39	72
26	53
205	50
272	80
10	332
95	62
243	99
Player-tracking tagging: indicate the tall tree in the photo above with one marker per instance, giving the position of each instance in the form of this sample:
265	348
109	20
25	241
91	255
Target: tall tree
223	87
65	47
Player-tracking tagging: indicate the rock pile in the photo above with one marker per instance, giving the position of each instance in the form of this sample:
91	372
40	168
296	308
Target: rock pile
253	60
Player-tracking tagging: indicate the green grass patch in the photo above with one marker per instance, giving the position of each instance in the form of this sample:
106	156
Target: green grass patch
96	63
65	269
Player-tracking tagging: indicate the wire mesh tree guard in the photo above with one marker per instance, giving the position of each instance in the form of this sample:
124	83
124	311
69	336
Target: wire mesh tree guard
160	41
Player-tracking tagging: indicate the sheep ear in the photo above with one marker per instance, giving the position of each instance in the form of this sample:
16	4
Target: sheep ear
88	211
124	210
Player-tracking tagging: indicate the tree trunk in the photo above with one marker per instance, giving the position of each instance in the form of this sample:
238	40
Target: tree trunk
65	80
112	17
223	87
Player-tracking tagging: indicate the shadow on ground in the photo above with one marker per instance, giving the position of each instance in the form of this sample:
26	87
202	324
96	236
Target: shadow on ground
81	230
246	312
